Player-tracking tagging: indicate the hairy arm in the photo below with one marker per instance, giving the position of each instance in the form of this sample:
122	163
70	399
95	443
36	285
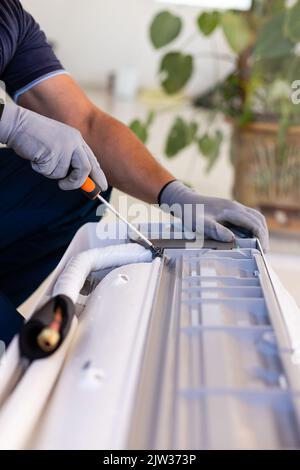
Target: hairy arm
126	162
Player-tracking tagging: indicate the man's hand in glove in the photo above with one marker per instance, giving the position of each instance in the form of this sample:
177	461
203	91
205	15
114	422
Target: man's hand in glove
55	150
217	212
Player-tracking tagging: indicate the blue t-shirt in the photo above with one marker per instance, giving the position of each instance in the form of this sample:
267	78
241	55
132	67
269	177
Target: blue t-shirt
25	55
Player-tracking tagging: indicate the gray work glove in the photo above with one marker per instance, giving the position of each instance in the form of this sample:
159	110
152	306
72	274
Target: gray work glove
55	150
216	212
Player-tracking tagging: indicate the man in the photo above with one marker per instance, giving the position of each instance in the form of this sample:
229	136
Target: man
53	132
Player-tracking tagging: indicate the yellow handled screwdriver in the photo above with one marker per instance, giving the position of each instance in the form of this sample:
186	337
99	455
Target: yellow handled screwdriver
92	191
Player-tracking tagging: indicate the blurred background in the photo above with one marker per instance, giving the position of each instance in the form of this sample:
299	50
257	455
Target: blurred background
209	86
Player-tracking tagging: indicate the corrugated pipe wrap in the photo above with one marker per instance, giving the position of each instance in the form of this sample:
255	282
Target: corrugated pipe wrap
72	279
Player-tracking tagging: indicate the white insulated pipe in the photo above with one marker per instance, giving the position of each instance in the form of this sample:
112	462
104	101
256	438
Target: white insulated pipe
21	411
72	279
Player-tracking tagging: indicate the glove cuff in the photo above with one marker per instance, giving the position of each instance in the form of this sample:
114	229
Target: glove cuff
174	192
162	190
9	122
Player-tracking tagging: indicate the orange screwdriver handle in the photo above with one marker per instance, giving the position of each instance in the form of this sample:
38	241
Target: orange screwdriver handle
90	188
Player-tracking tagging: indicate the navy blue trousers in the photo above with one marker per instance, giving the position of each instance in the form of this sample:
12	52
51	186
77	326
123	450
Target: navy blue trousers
37	223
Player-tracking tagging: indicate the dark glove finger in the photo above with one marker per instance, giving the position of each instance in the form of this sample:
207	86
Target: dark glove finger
249	221
216	231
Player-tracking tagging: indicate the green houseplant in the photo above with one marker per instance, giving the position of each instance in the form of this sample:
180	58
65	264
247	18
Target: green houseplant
256	97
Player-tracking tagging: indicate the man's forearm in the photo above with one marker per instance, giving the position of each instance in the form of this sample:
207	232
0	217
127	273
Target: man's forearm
126	162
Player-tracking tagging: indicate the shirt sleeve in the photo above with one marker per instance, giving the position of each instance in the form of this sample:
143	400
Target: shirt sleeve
31	58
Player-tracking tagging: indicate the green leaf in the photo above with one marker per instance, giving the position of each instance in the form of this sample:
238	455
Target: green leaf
181	135
209	146
176	69
292	70
140	130
150	118
271	41
277	6
292	21
208	21
236	31
164	28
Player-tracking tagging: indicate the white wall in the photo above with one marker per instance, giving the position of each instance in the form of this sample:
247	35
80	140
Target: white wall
95	37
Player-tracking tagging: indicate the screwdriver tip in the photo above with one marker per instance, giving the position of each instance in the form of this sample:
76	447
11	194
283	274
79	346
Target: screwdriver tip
157	252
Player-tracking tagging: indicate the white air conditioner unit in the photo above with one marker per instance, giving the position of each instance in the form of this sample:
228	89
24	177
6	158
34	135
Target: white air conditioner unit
198	350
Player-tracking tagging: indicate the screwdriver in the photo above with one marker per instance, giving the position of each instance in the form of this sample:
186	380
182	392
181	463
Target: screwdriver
92	191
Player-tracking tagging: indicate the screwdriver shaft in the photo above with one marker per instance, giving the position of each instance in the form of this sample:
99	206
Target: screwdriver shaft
132	227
